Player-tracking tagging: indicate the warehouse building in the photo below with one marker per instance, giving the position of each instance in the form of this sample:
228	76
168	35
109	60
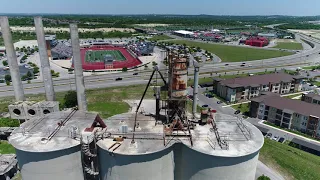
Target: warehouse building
287	113
183	33
245	88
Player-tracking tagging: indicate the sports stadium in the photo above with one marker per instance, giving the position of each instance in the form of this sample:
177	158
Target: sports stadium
108	57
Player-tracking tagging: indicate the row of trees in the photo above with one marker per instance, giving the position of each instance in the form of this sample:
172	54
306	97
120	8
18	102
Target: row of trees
95	34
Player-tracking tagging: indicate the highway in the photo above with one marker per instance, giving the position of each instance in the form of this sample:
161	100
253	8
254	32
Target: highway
303	58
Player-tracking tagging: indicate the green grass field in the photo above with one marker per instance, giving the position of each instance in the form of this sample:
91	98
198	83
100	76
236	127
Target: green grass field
291	162
106	101
234	54
160	37
289	45
244	107
6	148
98	56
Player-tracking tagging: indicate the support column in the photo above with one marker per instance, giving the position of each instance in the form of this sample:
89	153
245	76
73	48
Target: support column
44	59
12	59
195	88
78	71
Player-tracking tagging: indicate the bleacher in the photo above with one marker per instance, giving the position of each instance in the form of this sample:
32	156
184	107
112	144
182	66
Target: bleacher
142	48
61	51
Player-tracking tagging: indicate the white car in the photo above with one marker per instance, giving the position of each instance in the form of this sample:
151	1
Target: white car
275	138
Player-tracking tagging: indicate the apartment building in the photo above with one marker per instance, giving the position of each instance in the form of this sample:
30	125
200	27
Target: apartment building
311	98
287	113
245	88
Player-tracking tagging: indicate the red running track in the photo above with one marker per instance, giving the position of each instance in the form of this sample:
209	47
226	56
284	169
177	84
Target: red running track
129	63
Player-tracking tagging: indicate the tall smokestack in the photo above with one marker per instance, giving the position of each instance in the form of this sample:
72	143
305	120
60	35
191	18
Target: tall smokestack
45	65
82	102
12	59
195	88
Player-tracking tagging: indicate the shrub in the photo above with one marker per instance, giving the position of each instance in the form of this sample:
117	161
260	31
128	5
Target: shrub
125	69
7	77
5	63
70	99
7	122
263	177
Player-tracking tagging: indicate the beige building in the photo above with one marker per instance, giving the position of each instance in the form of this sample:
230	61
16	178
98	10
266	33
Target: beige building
245	88
287	113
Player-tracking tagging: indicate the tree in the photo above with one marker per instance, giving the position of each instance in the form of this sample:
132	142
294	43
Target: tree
17	49
70	70
124	69
70	99
7	77
29	74
36	70
7	83
154	63
36	48
263	177
1	54
5	63
24	77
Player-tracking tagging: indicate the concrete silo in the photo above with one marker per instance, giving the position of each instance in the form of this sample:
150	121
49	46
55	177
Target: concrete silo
49	147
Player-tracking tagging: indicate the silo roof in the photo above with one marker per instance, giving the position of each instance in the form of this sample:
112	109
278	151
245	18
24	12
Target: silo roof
33	135
242	137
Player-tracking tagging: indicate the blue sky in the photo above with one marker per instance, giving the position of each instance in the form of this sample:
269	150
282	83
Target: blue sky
215	7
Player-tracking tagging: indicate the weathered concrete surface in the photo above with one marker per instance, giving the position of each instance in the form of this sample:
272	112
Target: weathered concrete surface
44	59
82	102
57	165
12	59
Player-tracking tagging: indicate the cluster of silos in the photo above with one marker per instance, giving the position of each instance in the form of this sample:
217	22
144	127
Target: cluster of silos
53	159
177	161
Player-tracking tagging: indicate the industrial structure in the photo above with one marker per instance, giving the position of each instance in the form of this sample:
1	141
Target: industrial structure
158	140
22	109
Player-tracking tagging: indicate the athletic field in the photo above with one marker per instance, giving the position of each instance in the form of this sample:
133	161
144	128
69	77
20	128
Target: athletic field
98	55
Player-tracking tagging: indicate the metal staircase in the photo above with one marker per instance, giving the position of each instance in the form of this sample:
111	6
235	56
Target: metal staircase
89	158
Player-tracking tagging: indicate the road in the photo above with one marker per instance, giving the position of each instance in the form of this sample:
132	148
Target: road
307	57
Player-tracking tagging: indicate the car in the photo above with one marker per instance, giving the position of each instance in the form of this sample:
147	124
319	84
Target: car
281	140
242	65
249	65
219	102
135	74
209	96
237	112
205	106
307	55
190	96
118	79
269	135
275	138
226	64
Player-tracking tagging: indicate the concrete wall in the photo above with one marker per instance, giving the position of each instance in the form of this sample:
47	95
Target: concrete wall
56	165
155	166
177	162
272	114
207	167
